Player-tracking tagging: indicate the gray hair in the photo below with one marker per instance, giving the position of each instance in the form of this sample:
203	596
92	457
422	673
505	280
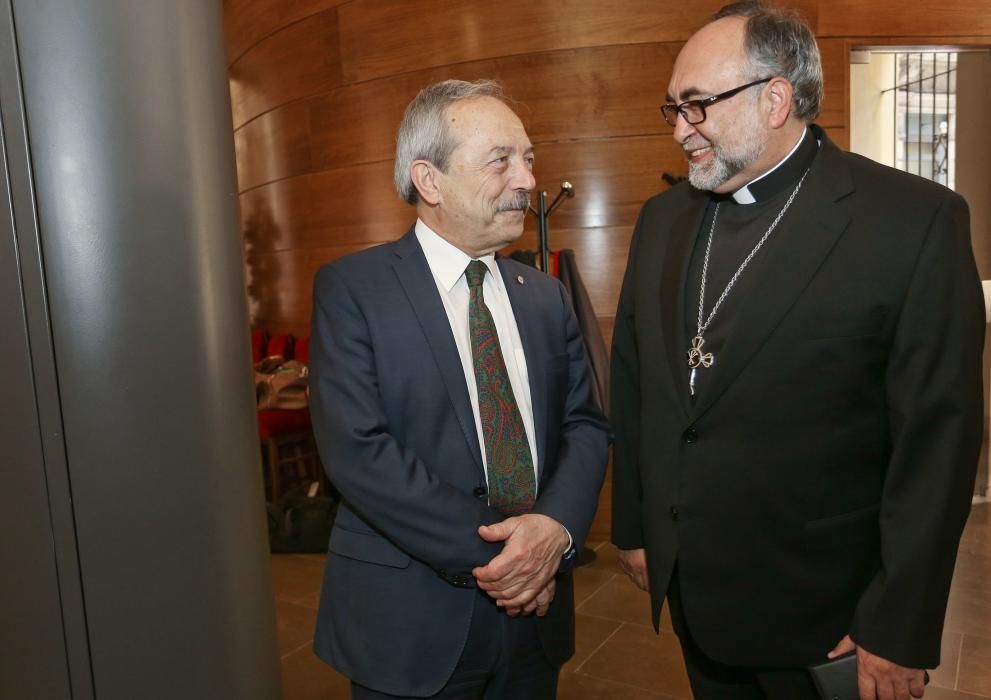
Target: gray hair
779	42
424	133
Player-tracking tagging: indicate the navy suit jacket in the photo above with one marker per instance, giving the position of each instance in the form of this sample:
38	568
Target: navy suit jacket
397	436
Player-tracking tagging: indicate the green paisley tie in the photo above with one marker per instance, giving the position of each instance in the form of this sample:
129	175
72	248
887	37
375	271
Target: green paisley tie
512	488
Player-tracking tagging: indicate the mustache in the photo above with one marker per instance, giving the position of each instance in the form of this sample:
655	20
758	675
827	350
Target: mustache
690	146
520	200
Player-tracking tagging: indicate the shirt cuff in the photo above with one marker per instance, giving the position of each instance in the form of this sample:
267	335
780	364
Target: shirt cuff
570	552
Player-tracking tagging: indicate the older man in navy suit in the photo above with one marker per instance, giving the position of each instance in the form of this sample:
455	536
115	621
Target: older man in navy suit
452	406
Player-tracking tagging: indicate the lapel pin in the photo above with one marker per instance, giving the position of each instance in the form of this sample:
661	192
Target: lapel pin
519	278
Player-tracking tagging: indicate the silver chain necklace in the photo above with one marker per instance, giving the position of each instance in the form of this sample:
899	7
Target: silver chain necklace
697	358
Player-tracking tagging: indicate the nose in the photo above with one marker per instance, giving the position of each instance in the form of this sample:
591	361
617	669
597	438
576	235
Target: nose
682	129
522	177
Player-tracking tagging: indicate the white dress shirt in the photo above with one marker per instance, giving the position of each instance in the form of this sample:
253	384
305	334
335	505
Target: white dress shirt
447	264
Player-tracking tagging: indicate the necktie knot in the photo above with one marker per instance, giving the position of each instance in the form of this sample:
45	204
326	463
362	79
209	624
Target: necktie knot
475	273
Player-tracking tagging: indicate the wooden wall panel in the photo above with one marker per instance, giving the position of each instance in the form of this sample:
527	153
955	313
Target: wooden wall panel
346	206
246	22
867	18
569	95
612	177
600	253
275	145
565	95
301	60
835	102
420	36
280	285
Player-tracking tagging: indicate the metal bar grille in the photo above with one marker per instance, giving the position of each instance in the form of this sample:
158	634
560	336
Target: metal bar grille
925	114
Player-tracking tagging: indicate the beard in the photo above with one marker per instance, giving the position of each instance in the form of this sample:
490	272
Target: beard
727	159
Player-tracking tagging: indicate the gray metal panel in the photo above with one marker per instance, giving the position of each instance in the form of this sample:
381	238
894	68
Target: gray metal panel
43	613
33	663
130	138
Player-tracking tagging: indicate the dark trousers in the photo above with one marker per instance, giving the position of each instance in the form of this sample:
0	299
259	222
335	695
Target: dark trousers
712	680
503	659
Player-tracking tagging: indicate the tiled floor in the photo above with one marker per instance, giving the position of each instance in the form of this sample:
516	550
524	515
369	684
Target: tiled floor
619	657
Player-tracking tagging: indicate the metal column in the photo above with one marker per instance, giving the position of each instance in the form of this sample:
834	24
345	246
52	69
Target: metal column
135	562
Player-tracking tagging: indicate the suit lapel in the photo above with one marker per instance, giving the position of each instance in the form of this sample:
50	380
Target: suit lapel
524	308
672	293
775	280
418	283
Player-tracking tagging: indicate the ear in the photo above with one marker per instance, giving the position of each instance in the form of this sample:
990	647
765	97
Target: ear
424	177
778	94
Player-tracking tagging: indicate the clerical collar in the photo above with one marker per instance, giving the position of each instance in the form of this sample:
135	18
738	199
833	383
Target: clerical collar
782	175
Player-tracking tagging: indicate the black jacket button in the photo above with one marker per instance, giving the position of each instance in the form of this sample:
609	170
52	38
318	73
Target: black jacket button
480	492
674	512
690	436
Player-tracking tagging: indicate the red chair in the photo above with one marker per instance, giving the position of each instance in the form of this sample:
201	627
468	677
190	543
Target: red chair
286	434
280	344
259	339
301	350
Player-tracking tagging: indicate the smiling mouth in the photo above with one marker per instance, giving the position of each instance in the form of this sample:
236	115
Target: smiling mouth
698	154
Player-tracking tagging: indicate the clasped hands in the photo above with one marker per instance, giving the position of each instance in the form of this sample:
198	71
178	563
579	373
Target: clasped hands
521	577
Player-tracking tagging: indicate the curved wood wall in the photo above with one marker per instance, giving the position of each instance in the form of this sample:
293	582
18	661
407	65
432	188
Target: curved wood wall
318	87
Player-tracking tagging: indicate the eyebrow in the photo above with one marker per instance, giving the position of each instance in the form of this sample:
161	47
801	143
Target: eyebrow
689	93
508	150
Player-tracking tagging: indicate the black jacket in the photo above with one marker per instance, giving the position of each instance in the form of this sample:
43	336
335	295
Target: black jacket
820	484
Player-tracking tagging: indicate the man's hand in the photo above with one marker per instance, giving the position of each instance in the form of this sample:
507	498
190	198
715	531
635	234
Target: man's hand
634	563
519	575
539	605
880	679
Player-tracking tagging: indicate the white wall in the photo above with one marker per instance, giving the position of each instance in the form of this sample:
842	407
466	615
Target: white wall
872	124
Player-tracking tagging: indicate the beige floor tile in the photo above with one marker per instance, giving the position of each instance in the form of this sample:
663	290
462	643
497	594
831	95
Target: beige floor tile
311	601
976	537
607	559
295	625
945	694
969	611
949	659
975	665
619	599
578	686
636	656
588	581
295	577
590	633
305	677
973	570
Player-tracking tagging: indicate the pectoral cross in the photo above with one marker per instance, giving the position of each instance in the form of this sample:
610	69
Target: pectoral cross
696	359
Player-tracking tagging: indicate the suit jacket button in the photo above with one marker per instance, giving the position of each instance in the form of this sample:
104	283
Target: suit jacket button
690	436
480	492
674	512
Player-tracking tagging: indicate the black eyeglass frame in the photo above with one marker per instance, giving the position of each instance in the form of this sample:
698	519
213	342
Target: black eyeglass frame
675	109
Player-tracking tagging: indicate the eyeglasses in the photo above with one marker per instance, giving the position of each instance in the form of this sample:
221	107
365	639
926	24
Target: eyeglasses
693	111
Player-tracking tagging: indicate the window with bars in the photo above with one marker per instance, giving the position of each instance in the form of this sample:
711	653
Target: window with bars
925	114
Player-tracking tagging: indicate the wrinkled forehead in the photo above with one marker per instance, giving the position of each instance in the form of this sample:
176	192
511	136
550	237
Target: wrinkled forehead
482	120
712	61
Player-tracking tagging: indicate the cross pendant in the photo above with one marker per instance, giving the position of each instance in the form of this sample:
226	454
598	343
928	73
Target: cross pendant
696	359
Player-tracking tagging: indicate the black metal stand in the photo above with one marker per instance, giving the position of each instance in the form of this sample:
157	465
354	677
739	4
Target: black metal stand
543	212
